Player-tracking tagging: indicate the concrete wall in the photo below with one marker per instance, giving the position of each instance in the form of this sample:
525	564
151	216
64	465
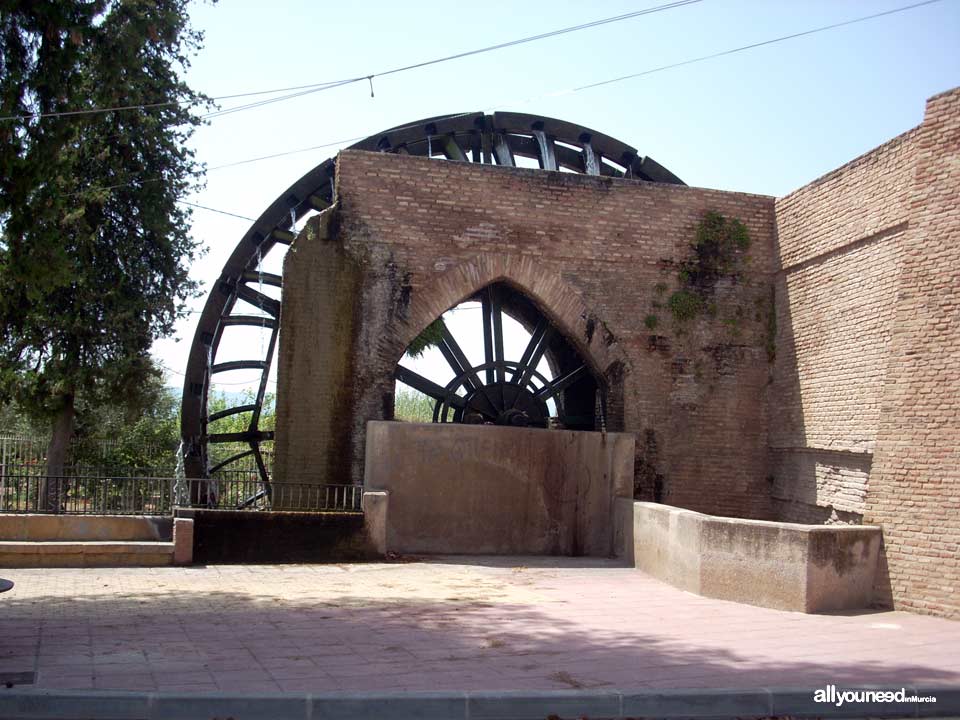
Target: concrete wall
806	568
116	528
94	541
493	490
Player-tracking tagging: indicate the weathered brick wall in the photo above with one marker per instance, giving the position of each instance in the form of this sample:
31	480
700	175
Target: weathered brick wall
864	406
591	252
915	484
839	245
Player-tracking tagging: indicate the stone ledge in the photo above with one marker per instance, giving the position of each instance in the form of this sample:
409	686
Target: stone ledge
84	554
780	565
44	526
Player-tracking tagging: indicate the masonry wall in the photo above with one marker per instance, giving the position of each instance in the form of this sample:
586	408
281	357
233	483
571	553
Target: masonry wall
915	484
864	406
598	256
840	245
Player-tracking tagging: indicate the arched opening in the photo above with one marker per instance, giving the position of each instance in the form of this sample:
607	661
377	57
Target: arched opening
496	359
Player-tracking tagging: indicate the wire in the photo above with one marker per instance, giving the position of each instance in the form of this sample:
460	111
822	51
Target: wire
542	36
222	212
754	45
605	82
581	88
319	87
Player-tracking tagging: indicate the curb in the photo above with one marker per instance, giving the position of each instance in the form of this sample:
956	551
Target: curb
19	704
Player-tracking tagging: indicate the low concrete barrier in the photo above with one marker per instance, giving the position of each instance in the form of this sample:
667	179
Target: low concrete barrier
38	540
477	489
37	527
787	566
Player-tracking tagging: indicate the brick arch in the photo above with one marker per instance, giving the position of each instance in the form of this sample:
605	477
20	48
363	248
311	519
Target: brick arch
559	302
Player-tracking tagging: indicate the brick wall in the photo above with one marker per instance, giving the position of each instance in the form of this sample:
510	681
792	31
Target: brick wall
915	483
857	419
590	252
864	407
839	243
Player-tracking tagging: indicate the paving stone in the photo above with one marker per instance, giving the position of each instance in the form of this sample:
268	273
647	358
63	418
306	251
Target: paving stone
532	624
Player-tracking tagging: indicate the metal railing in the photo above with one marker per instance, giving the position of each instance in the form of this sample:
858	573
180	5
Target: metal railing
29	492
85	495
249	493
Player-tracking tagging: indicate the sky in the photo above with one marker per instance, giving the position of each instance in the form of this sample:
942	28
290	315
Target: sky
767	120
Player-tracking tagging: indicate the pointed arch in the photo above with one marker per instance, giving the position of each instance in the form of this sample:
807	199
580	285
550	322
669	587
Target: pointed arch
560	302
580	341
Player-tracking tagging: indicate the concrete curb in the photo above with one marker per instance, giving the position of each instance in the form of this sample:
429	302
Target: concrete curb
19	704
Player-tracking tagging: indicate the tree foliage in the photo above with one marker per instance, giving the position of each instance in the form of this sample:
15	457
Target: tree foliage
94	250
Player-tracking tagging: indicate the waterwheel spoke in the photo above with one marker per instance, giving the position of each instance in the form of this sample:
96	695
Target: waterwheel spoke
487	311
496	317
261	467
502	151
428	387
556	387
532	354
547	155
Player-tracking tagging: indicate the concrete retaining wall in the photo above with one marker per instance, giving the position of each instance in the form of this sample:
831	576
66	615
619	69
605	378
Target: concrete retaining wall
477	489
806	568
116	528
94	541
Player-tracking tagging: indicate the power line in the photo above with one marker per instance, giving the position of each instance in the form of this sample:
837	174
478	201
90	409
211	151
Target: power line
222	212
581	88
319	87
754	45
610	81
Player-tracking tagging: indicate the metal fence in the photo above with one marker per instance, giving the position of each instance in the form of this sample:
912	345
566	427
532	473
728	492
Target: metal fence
246	492
85	495
19	449
30	492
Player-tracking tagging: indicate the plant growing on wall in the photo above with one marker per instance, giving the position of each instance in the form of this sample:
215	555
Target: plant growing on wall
719	248
718	252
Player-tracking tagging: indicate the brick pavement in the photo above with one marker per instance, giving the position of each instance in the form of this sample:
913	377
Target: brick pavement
442	624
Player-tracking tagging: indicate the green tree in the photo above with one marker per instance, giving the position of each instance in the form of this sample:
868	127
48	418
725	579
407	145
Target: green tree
94	249
135	438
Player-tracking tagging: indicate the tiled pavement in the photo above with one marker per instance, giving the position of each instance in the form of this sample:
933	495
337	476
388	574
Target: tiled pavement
442	624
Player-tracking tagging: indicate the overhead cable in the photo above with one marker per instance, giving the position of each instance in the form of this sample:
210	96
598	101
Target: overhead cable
319	87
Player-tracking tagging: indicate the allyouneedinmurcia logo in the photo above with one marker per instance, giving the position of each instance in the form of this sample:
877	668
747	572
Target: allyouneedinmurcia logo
830	694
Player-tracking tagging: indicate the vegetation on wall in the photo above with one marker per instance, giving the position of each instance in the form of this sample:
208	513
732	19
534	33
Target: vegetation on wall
429	337
718	255
719	252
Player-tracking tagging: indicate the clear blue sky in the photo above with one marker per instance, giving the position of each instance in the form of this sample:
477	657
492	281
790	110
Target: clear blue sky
765	121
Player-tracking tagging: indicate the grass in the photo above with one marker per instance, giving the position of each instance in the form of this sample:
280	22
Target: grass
412	405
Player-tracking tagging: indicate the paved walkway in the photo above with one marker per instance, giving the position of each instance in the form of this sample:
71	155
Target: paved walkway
445	624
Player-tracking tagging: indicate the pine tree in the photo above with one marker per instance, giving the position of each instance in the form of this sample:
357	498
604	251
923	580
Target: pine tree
94	248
